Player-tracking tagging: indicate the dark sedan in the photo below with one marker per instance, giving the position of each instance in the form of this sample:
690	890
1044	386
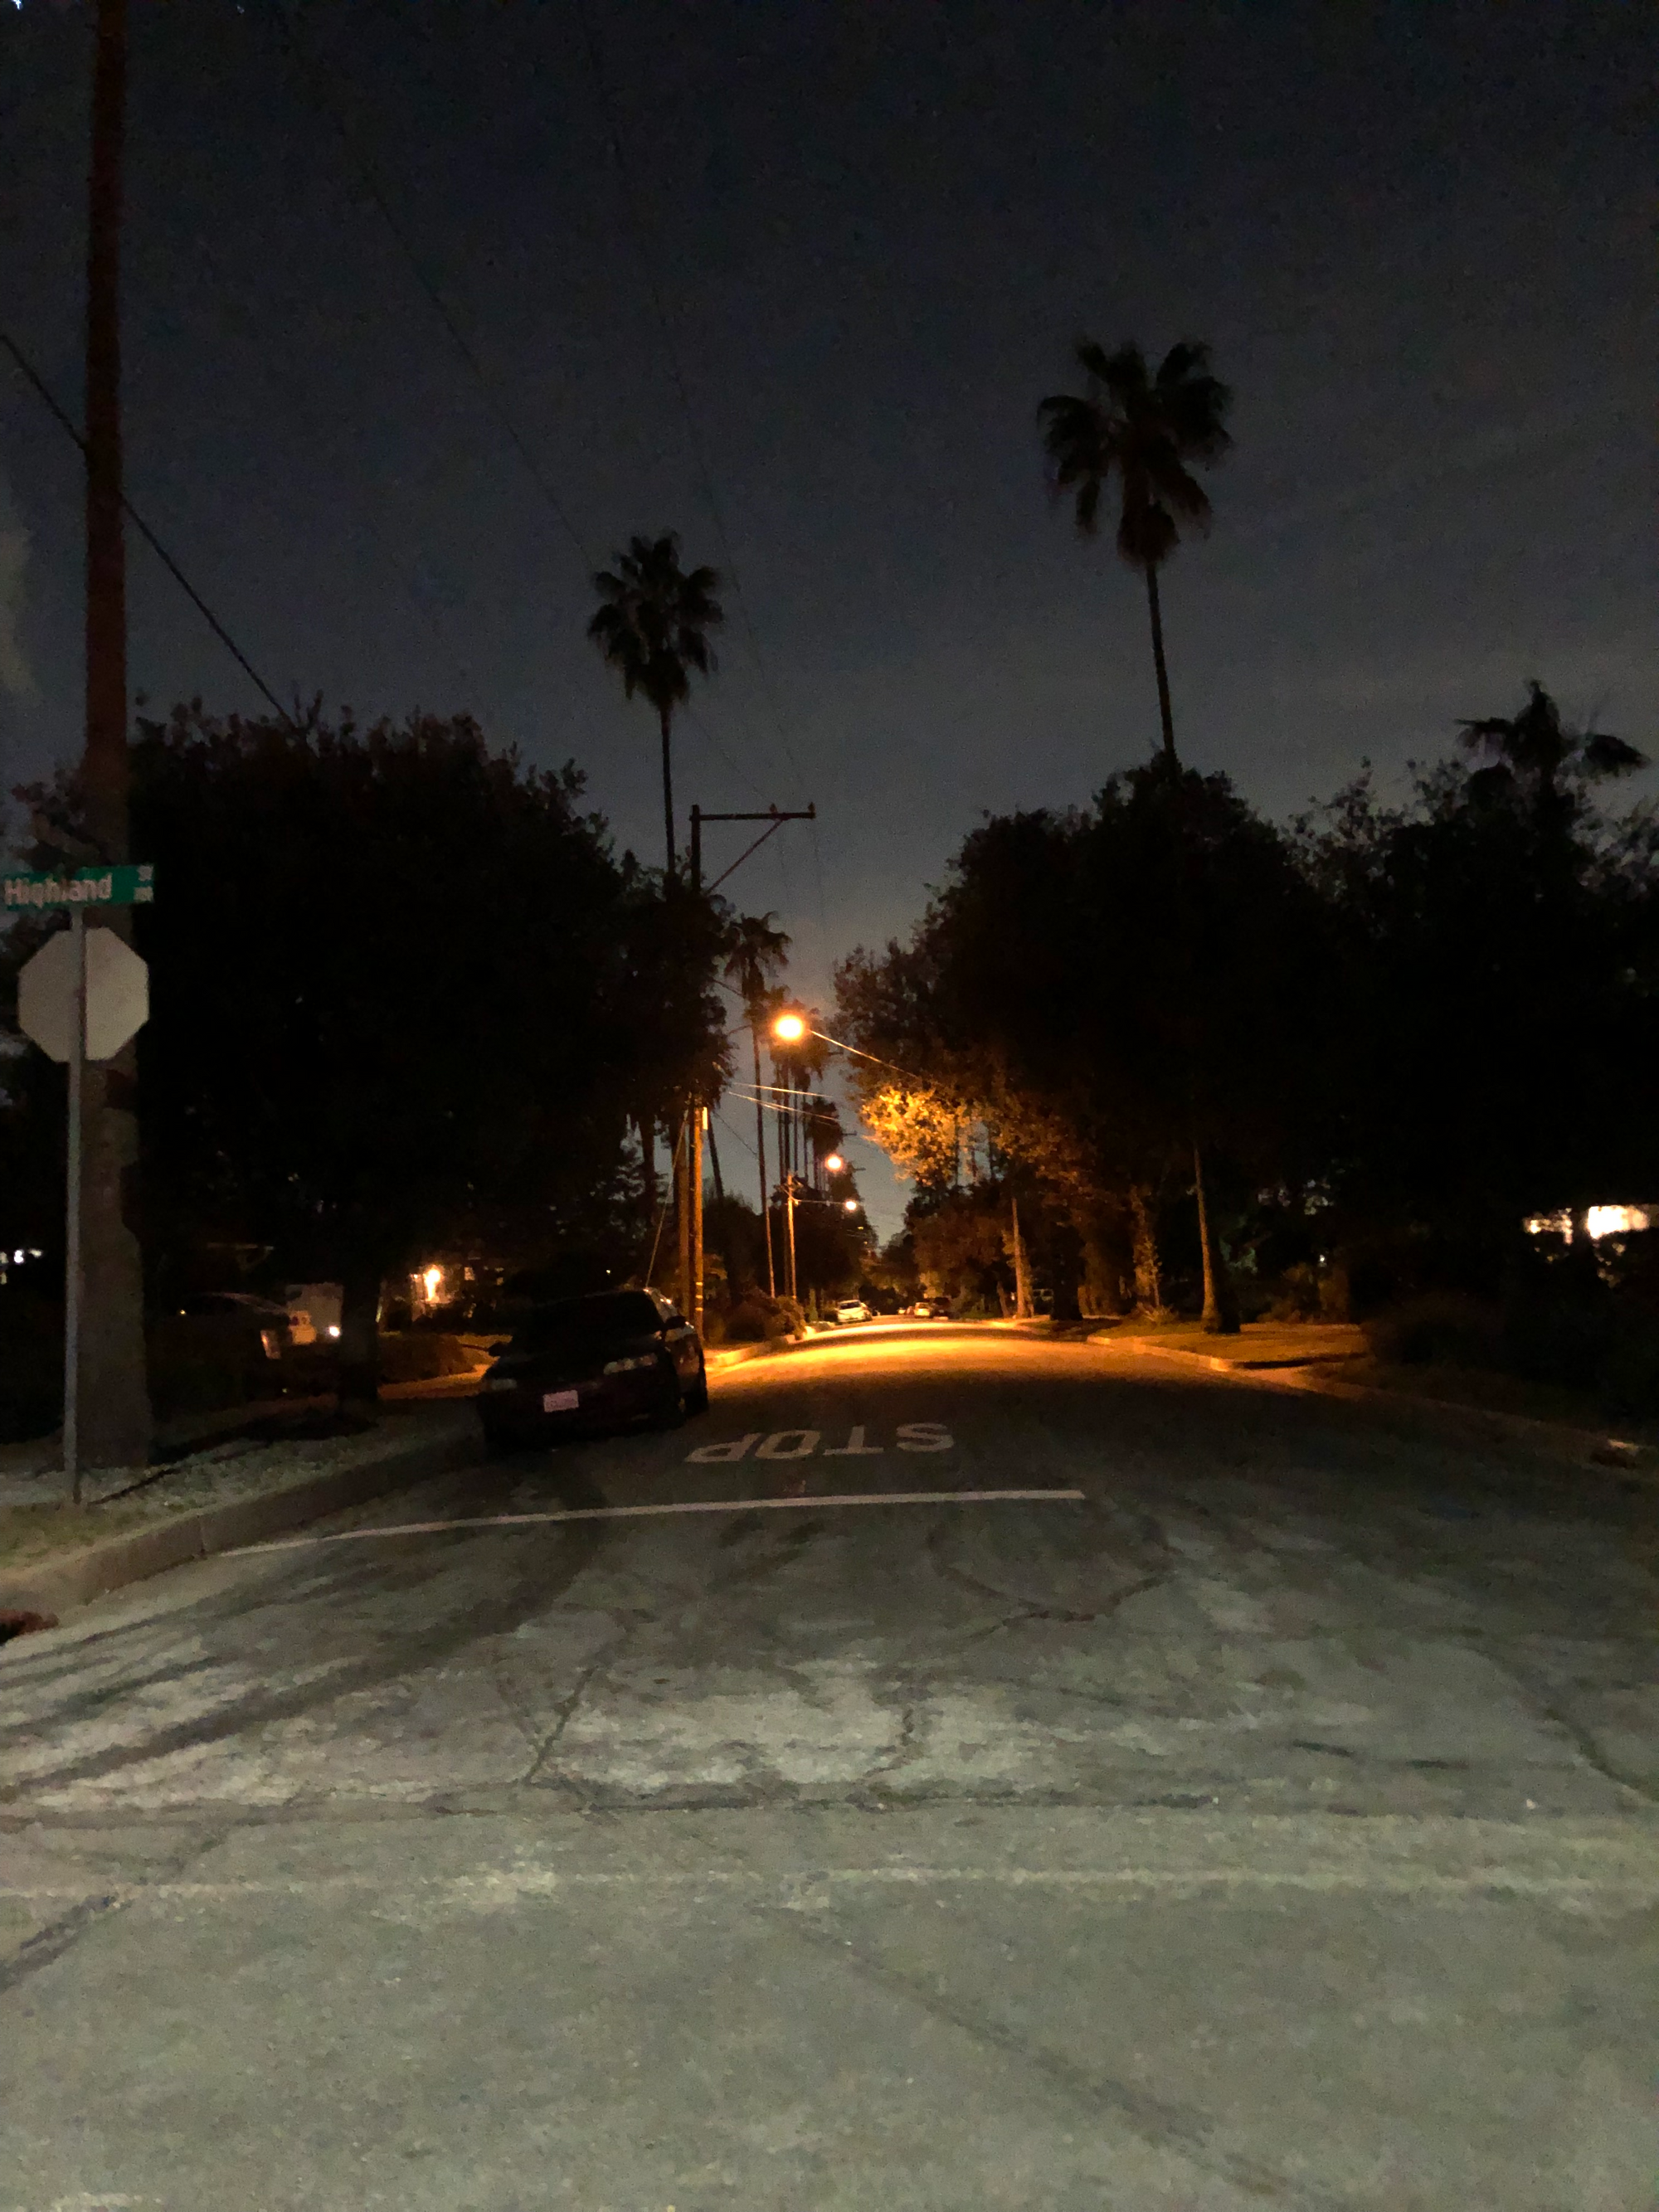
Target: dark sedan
594	1362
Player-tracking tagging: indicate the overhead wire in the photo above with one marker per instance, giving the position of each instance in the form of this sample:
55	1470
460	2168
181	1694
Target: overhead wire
45	392
671	352
369	178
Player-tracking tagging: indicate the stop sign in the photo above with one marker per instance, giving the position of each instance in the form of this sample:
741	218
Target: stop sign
117	995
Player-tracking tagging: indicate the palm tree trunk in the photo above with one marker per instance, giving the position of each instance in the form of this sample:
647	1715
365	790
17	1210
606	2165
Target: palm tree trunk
1221	1316
1165	715
667	716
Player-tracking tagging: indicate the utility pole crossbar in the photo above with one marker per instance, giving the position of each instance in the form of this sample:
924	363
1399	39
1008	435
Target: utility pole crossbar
773	816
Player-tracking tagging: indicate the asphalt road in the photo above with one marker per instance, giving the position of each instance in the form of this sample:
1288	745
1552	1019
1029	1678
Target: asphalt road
1272	1824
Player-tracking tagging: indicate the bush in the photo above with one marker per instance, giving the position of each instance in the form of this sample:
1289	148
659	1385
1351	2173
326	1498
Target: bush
757	1319
1441	1327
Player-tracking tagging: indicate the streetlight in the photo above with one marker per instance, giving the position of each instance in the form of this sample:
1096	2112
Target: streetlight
789	1028
834	1164
850	1205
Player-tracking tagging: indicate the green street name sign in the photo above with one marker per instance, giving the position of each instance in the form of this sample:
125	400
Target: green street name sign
110	887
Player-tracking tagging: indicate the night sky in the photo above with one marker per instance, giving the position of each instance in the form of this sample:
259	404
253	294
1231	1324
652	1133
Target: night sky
1418	238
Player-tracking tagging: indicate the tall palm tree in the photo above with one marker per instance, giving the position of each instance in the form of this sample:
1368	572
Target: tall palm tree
1144	430
756	958
652	627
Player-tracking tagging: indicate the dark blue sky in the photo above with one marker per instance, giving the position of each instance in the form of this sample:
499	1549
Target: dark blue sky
1418	237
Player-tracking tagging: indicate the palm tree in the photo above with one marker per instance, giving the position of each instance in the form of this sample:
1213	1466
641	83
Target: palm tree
1533	752
1144	430
653	627
756	956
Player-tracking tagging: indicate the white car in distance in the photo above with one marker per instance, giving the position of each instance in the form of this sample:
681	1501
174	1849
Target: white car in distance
851	1310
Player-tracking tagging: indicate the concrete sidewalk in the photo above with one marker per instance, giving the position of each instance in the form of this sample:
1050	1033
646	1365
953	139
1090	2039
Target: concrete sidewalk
211	1501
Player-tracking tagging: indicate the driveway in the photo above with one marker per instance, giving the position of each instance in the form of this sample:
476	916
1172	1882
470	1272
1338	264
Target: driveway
1257	1810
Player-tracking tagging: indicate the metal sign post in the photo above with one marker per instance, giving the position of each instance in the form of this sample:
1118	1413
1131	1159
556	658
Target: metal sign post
72	1224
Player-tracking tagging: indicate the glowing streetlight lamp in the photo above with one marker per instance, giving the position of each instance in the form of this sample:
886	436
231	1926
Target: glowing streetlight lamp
790	1028
850	1205
834	1164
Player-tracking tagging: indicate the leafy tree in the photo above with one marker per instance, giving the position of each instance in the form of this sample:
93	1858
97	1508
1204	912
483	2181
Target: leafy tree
402	994
1142	430
653	626
1498	987
1034	998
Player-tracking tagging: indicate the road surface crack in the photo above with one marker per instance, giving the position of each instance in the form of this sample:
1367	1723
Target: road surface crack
1160	2124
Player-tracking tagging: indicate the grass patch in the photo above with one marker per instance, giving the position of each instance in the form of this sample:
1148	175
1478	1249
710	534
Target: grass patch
1490	1392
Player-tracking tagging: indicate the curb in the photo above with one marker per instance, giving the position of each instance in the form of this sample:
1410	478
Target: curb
724	1356
1478	1424
56	1587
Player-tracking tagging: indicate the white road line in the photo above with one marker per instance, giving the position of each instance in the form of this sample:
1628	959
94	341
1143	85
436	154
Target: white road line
693	1505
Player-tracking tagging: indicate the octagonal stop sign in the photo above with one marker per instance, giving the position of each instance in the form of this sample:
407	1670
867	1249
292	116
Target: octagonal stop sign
117	995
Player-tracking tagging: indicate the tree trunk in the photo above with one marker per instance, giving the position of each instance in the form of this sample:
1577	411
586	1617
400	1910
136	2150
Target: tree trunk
1149	1272
115	1418
360	1338
1022	1272
667	716
1220	1299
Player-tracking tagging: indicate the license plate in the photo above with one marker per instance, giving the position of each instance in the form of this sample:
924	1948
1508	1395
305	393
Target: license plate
560	1401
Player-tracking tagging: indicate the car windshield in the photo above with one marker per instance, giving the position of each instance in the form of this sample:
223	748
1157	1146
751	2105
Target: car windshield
612	1313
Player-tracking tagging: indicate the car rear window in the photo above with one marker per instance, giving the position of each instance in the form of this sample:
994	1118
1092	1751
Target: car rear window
629	1313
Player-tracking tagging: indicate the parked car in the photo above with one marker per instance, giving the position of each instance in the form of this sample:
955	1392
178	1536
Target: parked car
930	1309
582	1365
850	1310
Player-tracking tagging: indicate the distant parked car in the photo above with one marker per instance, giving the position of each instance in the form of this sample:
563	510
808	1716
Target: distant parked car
594	1362
930	1309
850	1310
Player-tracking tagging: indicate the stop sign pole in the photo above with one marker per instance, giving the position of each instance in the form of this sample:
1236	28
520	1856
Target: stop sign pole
53	1008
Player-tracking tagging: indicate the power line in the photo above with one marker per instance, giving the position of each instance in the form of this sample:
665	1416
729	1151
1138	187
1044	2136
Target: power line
148	536
369	178
636	224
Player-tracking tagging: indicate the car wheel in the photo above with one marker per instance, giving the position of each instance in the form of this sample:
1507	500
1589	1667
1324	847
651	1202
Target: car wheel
696	1398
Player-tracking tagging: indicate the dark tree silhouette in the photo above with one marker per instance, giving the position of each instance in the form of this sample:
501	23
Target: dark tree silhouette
652	627
1534	755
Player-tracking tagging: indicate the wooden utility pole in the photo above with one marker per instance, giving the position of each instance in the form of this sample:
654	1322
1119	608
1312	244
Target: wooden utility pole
115	1423
699	1118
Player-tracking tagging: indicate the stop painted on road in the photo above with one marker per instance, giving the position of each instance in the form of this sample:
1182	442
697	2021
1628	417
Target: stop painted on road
803	1444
